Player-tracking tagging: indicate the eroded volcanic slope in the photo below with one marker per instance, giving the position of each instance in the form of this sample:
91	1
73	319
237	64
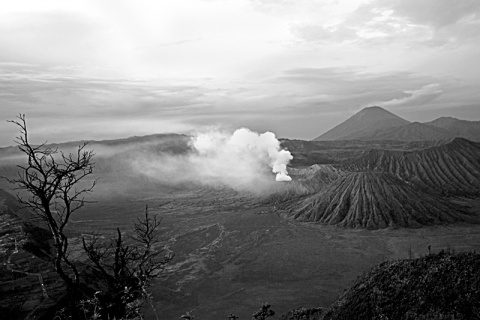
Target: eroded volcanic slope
375	200
449	169
384	187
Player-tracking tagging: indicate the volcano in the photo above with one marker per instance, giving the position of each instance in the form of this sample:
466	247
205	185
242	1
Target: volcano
363	124
375	200
378	124
449	169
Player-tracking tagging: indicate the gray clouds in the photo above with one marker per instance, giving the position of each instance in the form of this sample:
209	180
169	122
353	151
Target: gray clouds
300	102
97	70
412	23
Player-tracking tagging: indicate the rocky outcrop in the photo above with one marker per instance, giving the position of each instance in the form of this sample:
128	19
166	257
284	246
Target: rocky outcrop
437	286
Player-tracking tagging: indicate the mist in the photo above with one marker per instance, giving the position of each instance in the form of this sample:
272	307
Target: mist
243	160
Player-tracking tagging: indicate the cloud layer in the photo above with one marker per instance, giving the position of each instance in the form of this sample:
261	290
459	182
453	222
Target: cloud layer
96	70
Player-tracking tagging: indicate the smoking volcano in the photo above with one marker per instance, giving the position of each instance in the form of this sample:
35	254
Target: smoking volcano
243	160
242	150
408	187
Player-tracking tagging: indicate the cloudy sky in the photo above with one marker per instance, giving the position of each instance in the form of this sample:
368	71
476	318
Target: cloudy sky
113	68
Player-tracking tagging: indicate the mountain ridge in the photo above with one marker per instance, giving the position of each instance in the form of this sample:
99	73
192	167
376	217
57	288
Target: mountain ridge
452	168
376	123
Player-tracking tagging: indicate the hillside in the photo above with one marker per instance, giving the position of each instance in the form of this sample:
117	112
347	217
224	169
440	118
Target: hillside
314	178
110	155
134	140
8	205
415	131
305	181
25	251
375	200
449	169
437	286
363	123
161	143
307	153
460	128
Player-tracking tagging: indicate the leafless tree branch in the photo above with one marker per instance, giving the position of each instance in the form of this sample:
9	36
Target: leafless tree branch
51	181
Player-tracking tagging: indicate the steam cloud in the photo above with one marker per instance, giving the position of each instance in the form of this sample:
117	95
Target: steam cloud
243	160
244	148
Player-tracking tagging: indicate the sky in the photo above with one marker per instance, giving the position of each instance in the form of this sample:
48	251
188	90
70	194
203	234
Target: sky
109	69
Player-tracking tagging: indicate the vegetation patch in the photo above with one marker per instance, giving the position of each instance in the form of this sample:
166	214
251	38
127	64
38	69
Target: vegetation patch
438	286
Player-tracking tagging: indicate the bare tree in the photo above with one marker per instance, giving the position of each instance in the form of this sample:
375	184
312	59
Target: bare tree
54	187
128	266
51	179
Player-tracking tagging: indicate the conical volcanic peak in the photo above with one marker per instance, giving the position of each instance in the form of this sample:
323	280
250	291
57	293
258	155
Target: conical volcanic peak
375	200
363	123
449	169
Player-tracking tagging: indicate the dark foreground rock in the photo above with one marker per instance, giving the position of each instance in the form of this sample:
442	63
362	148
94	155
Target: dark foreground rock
437	286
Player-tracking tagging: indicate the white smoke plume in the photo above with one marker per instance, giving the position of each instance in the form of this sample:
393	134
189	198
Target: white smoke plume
242	160
242	150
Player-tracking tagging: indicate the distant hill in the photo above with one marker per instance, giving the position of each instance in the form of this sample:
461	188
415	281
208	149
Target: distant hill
415	131
365	122
460	128
109	154
307	153
171	141
378	124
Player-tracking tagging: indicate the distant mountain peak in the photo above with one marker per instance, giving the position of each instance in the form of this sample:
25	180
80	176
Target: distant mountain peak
376	123
368	119
448	117
373	108
376	110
